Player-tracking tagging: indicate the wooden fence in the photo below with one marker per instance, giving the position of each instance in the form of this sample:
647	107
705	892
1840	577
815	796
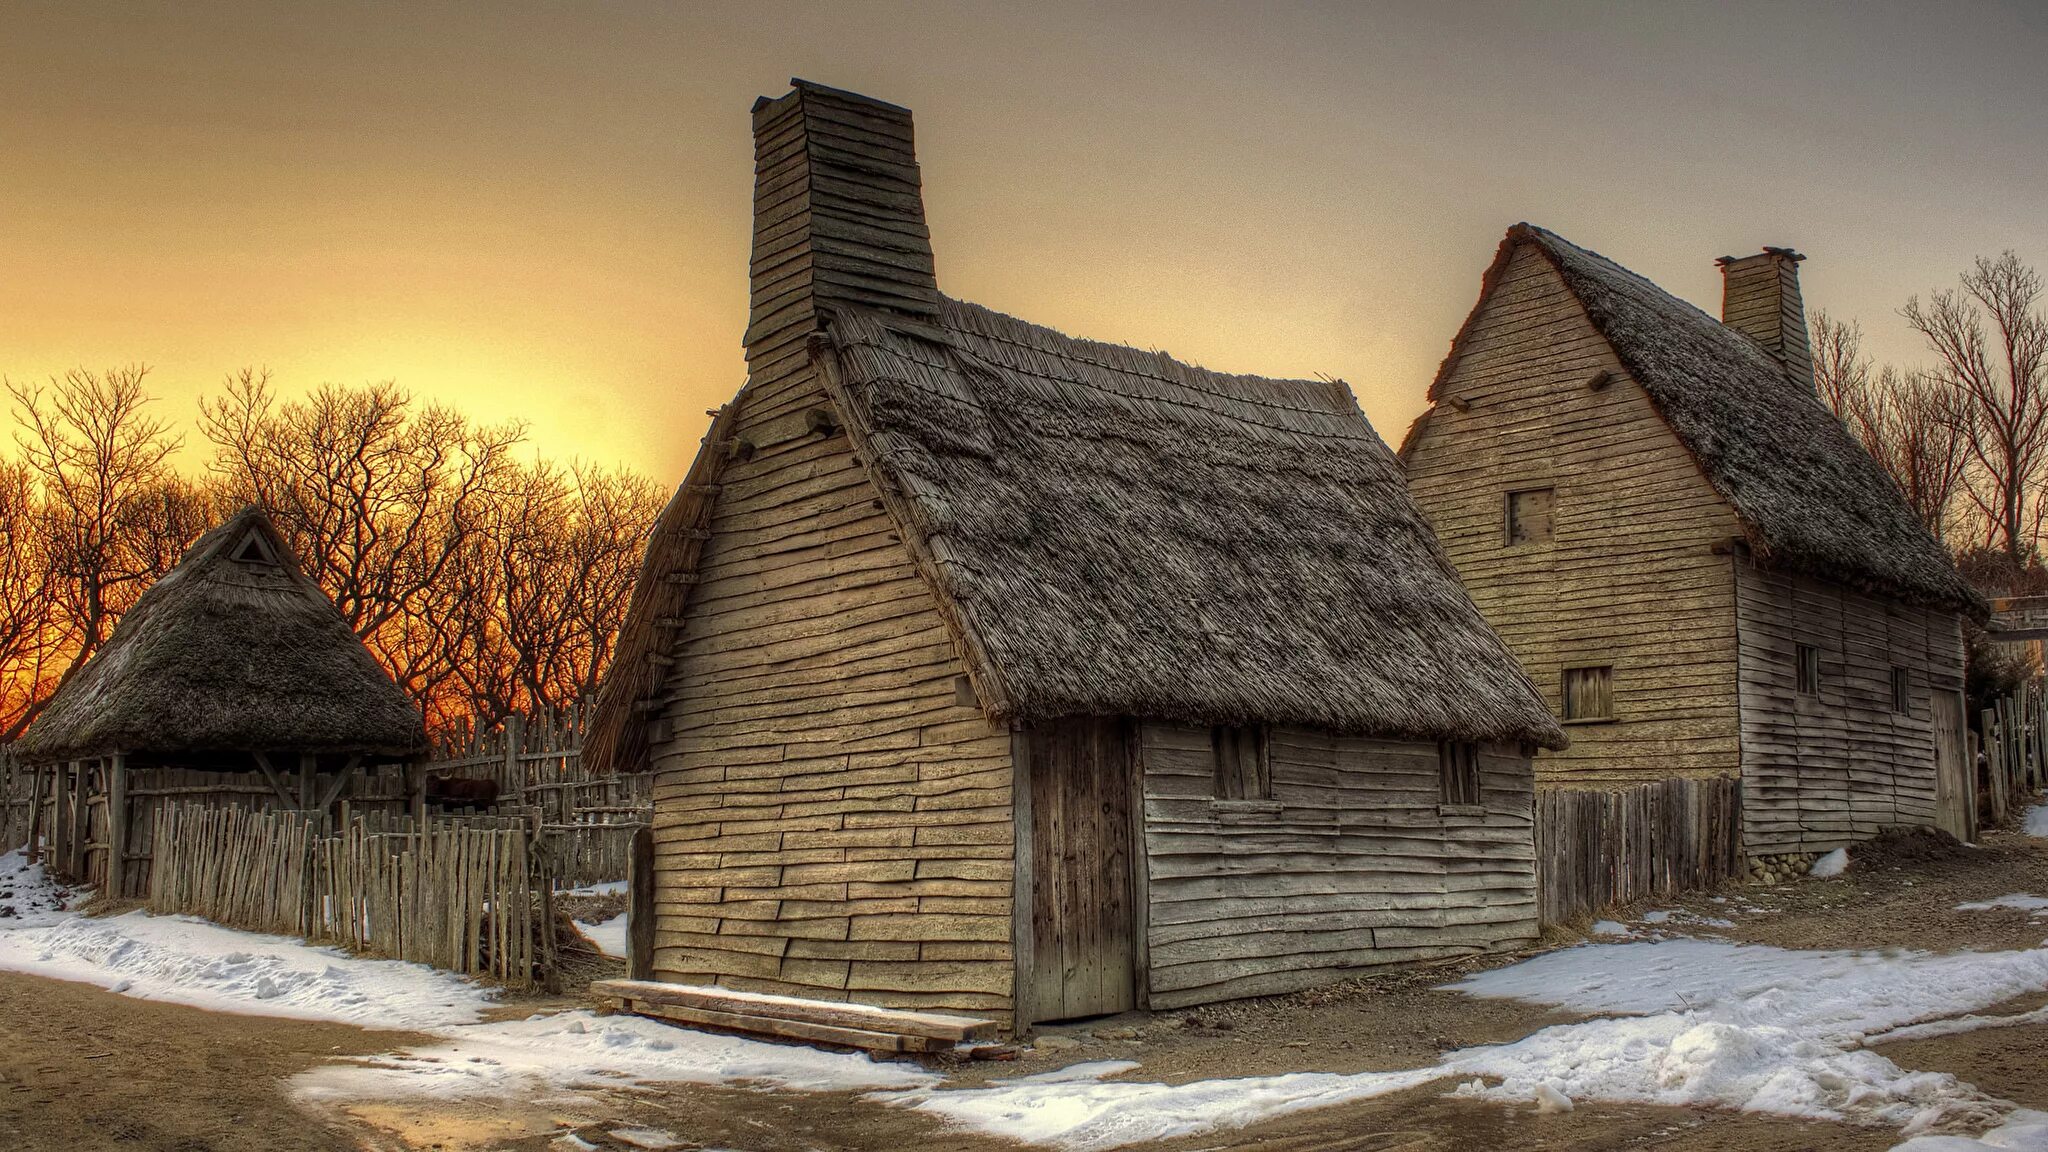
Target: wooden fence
470	895
2012	763
586	819
1599	848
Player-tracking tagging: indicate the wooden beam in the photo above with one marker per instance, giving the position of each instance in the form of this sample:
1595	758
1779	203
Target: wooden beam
117	825
270	774
640	882
833	1013
1600	381
341	781
1458	402
1023	932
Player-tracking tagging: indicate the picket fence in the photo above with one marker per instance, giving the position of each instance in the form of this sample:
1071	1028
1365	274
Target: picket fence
470	895
1599	848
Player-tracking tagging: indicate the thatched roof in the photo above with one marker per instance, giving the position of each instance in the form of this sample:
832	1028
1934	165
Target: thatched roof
1810	498
232	650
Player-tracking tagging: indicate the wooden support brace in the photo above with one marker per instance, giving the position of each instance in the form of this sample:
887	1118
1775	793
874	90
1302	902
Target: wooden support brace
1459	402
276	782
341	781
1600	381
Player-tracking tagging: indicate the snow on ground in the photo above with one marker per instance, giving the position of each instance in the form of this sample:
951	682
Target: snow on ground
608	935
1610	928
1833	864
183	960
1709	1023
569	1050
2038	905
608	888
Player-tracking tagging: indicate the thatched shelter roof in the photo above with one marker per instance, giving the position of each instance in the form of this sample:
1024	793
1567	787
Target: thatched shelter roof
234	649
1810	498
1118	533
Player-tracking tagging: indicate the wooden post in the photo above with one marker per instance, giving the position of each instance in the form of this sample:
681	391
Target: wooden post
35	817
515	742
640	911
117	825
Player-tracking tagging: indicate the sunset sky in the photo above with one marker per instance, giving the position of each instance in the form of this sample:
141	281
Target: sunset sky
540	210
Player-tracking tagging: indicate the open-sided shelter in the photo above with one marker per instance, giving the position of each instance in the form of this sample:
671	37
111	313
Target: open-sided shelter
235	669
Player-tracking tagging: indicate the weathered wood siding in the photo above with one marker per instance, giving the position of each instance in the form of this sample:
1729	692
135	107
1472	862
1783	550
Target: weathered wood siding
829	818
1630	578
1823	771
1354	863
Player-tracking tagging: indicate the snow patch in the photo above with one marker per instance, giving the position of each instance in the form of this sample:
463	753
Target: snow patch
1710	1023
2037	821
652	1139
569	1050
1610	928
2038	905
1833	864
608	935
184	960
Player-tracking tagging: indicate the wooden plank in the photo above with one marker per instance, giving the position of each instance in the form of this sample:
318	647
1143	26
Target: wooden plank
838	1014
784	1029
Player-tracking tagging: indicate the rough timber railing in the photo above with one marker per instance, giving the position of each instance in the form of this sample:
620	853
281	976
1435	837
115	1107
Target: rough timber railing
2012	763
587	819
1600	848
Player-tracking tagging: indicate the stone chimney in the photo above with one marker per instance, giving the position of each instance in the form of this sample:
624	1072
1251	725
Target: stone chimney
1760	298
838	219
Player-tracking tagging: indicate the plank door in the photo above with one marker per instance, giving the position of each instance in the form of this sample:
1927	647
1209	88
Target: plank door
1080	959
1954	802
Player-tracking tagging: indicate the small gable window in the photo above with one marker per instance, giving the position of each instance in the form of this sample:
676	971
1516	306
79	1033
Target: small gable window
1459	762
1902	690
1589	693
254	550
1808	672
1244	769
1529	516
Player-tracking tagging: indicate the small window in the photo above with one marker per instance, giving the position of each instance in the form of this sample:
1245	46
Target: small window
1589	693
1460	763
1902	690
1809	669
1243	769
1529	516
253	550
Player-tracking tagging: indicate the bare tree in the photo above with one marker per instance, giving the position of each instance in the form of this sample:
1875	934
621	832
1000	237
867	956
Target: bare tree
1917	429
1992	343
29	651
372	493
112	516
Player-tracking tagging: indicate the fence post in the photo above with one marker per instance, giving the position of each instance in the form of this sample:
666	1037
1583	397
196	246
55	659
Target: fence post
515	743
640	908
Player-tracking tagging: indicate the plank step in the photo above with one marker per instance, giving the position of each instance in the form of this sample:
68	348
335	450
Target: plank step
790	1017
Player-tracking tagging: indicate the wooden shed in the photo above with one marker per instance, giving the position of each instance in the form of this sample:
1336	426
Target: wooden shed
1700	567
989	669
233	680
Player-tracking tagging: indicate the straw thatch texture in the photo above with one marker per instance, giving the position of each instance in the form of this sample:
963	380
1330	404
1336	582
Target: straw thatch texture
1124	534
1810	498
227	655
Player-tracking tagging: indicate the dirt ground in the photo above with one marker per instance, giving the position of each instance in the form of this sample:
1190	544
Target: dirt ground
85	1069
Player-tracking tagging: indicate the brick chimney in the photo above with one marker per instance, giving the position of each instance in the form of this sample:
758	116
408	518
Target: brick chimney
838	219
1760	298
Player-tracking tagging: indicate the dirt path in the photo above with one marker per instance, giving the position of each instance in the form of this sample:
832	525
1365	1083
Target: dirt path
83	1068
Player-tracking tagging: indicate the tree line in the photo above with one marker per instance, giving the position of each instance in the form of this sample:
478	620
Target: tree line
486	582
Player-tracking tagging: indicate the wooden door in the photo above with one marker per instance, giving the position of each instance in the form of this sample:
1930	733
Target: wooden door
1076	959
1954	799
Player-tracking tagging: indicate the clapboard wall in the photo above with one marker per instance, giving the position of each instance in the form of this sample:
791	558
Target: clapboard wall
1630	578
1354	863
1825	770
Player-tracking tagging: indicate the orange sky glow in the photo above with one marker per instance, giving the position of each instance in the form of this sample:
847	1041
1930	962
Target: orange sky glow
540	210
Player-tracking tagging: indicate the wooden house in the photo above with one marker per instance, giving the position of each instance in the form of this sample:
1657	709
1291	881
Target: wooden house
232	680
985	668
1699	566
